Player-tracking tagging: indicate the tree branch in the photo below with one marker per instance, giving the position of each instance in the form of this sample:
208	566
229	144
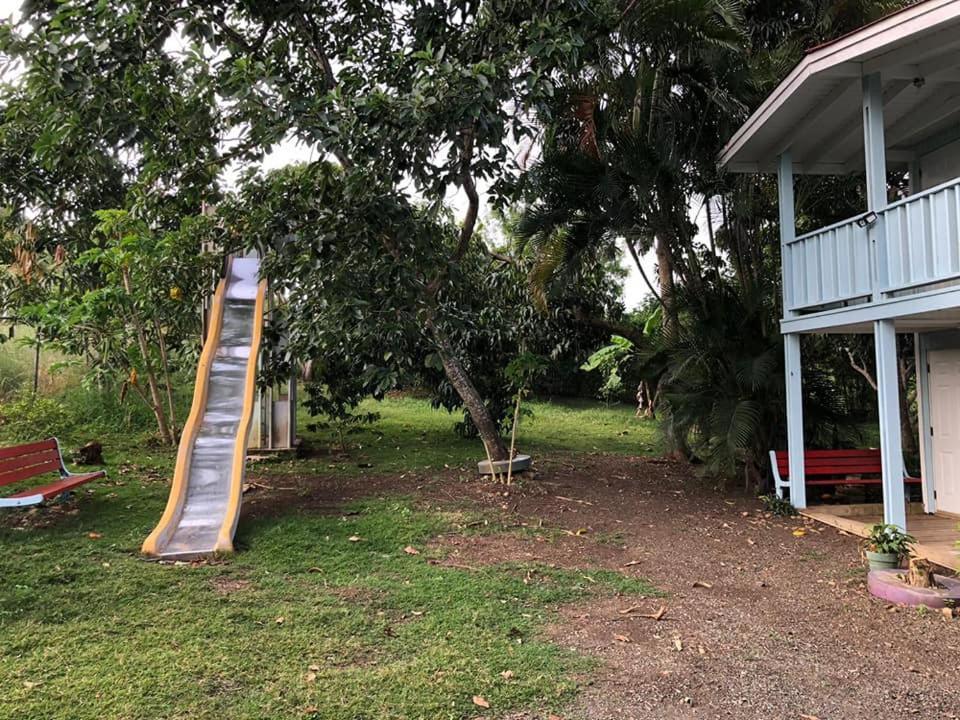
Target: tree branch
473	199
643	273
860	368
615	327
314	47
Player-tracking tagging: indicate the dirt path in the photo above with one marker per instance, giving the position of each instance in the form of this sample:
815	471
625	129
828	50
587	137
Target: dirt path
758	624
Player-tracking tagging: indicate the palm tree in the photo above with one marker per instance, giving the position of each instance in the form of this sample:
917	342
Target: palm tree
638	144
636	153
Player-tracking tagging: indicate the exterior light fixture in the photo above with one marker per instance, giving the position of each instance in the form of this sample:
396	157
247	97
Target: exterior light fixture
867	219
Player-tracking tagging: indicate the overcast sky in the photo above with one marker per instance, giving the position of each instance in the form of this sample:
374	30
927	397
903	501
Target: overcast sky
634	290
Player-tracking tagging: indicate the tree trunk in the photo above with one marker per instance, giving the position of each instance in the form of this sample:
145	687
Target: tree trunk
156	402
909	429
36	363
479	412
665	278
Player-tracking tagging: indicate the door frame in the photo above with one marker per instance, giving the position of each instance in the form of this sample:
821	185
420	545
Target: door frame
924	344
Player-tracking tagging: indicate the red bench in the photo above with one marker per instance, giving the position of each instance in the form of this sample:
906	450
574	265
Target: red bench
832	467
32	460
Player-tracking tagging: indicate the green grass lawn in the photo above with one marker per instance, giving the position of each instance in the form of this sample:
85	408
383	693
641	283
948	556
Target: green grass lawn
410	435
305	622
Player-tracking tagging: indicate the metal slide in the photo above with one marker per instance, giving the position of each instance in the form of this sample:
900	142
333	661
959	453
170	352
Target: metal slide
204	505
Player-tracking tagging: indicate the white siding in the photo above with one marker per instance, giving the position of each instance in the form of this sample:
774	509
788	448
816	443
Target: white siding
940	165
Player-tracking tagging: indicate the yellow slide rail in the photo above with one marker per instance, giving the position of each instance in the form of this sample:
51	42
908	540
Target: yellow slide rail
232	514
178	491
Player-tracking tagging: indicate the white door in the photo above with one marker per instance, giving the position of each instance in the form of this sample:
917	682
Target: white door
945	419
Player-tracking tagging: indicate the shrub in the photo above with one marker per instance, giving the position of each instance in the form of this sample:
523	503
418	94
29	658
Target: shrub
28	417
889	539
778	506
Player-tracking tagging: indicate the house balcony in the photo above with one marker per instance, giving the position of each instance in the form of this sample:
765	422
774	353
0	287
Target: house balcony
903	258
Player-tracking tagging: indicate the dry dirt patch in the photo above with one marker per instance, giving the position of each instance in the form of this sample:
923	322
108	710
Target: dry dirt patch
759	623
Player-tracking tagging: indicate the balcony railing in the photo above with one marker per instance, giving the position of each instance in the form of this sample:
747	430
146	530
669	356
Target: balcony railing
829	266
922	239
914	243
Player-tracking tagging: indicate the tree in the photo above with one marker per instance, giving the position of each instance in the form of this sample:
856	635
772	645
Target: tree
139	325
636	150
637	147
354	312
411	98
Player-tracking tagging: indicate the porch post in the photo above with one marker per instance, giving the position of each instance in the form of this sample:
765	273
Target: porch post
792	360
888	396
876	175
788	228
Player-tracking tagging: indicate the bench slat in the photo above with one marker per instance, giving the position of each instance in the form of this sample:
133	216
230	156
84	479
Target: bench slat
25	461
860	481
18	450
838	467
42	460
61	486
29	472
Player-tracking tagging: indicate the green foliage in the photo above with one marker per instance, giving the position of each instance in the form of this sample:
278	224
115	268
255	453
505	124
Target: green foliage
356	314
722	388
28	417
610	361
155	100
778	506
641	141
130	304
523	371
14	374
889	539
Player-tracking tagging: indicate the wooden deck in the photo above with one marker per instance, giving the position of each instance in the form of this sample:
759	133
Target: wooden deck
937	535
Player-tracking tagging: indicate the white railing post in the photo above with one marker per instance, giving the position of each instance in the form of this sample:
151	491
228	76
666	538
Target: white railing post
788	229
876	174
794	380
888	399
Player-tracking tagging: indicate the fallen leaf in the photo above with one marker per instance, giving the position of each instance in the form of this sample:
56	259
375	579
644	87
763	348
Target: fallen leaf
751	542
799	533
310	677
313	668
480	701
94	535
808	717
632	563
30	685
621	638
702	584
678	643
631	609
279	620
507	674
411	550
354	538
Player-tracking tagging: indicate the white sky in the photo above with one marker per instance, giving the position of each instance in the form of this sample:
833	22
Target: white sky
634	290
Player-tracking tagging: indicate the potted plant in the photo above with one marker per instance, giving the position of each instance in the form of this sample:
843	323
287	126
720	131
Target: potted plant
886	546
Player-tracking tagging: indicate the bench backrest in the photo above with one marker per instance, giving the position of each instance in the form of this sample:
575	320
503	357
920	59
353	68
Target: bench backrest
834	463
26	461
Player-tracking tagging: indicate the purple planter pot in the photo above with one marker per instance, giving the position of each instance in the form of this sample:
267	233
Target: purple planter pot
887	585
